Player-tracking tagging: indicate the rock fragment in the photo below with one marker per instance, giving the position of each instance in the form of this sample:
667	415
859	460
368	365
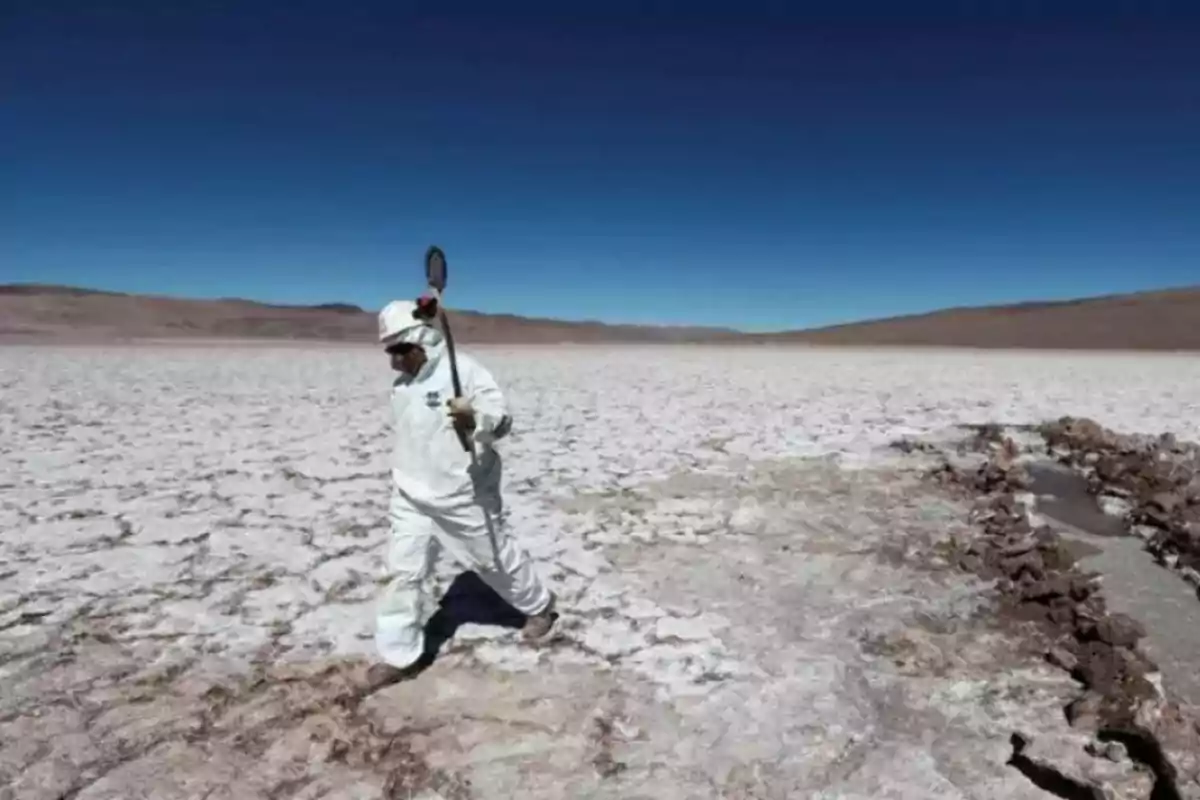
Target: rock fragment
1038	580
1157	477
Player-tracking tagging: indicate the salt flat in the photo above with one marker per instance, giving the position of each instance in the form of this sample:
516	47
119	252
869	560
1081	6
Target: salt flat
192	536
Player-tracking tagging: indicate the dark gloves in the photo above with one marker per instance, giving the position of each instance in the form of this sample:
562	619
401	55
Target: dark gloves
427	308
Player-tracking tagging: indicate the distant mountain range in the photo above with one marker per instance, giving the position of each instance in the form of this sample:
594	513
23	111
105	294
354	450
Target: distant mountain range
1159	320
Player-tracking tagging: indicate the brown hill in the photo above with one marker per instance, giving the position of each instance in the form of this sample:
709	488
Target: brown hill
1161	320
30	312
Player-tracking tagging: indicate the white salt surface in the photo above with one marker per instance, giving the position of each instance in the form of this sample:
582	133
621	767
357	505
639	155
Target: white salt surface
209	511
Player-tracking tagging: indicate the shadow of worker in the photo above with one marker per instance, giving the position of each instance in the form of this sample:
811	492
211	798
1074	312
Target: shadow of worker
468	600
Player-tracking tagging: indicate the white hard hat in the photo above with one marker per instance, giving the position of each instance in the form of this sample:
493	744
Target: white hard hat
397	317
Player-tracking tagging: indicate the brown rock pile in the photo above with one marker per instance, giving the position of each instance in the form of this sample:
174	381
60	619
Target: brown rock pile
1039	581
1157	477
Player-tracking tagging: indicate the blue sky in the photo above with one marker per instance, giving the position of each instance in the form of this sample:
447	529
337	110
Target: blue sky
756	165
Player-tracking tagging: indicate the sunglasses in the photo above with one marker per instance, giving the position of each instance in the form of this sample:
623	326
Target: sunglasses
400	349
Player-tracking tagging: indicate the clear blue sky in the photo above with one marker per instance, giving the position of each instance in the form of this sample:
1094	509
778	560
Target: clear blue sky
746	164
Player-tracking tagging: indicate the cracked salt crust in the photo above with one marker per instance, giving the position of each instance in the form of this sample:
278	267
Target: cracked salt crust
192	506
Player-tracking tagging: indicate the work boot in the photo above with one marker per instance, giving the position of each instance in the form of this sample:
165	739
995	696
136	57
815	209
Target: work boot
382	675
538	625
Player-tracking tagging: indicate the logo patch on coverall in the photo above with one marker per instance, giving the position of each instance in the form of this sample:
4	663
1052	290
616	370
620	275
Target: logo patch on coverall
432	399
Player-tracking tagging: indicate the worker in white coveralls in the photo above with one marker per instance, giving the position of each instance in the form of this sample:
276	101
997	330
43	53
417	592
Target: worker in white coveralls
440	497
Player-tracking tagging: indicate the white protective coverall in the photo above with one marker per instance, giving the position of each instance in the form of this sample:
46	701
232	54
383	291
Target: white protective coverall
439	500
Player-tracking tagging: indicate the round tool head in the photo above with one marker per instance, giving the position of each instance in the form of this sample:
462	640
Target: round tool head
435	268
